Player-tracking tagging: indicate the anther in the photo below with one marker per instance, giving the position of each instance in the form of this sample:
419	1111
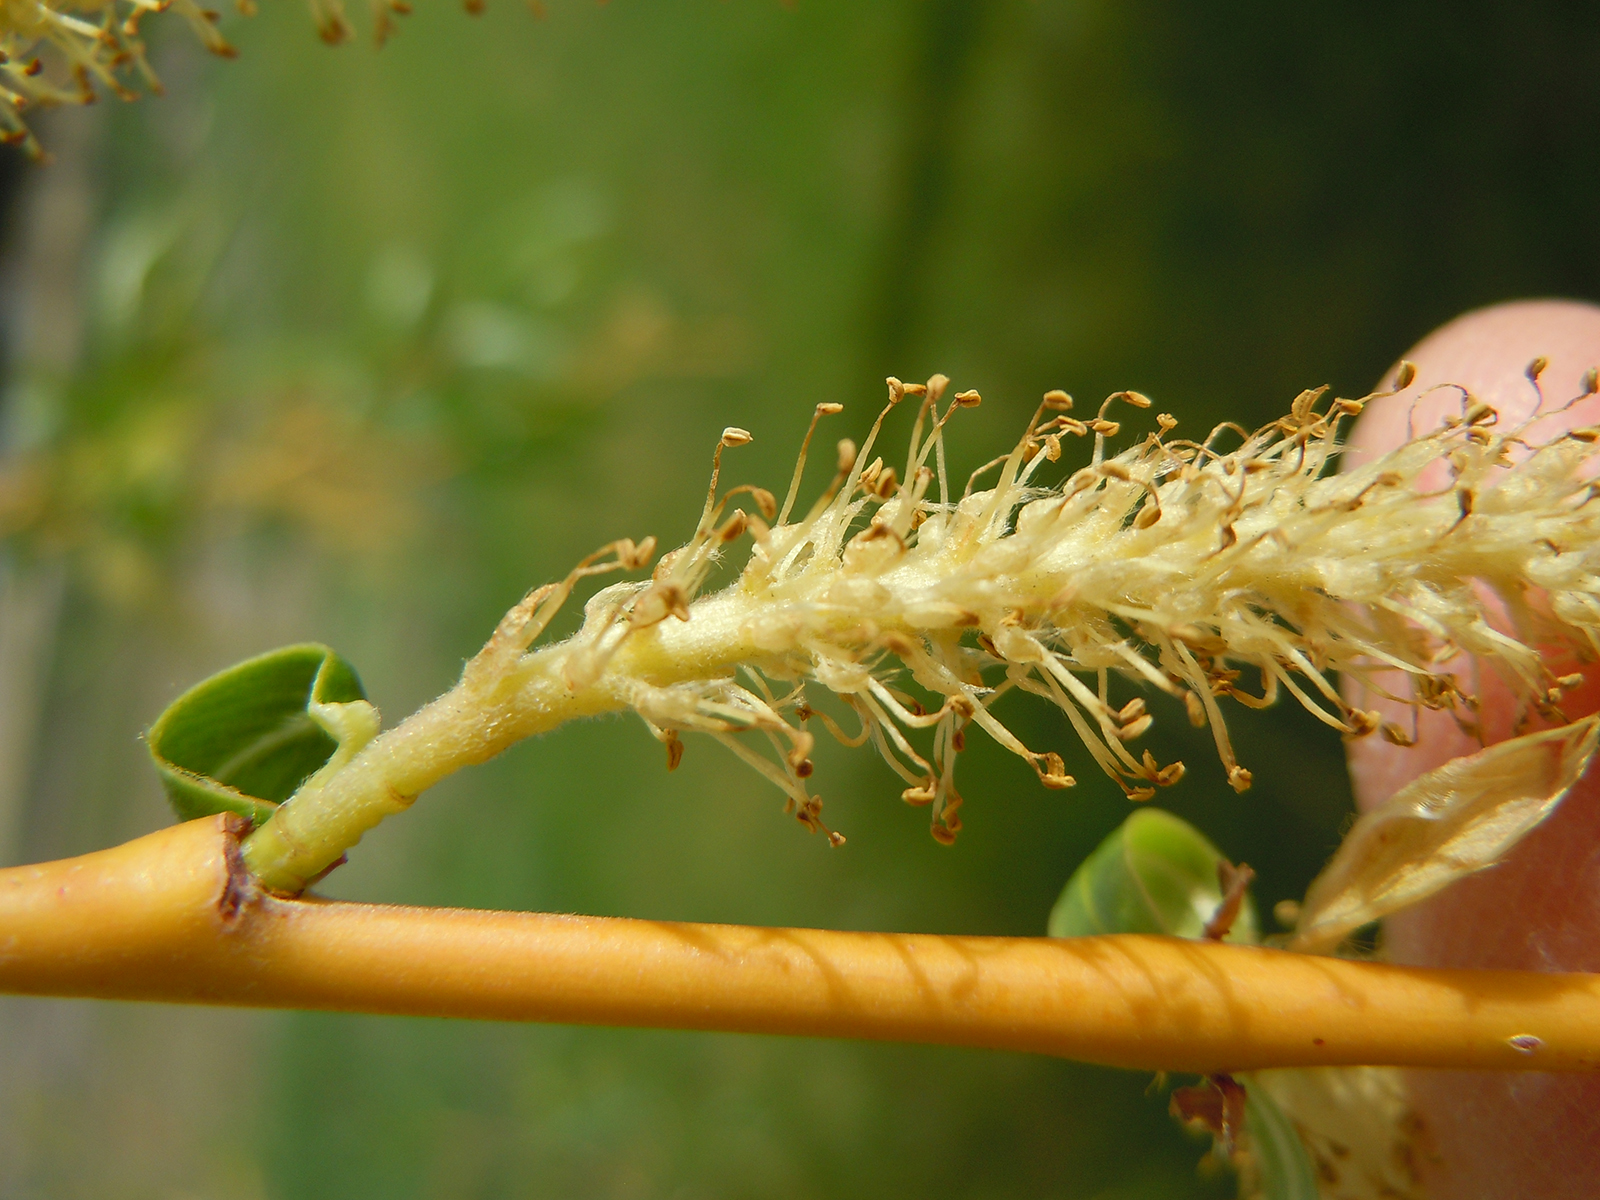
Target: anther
1395	735
733	528
1136	727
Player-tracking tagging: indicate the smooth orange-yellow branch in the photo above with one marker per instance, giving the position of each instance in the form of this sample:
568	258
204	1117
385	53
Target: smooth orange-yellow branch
173	917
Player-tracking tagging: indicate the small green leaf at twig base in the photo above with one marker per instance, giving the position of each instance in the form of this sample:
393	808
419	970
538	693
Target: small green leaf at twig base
1155	874
246	738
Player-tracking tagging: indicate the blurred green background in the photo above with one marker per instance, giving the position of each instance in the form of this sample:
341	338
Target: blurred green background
356	346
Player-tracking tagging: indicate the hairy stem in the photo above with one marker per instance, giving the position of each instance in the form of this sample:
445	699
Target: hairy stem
174	917
485	713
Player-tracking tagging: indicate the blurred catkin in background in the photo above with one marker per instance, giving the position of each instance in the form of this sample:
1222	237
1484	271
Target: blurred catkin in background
352	346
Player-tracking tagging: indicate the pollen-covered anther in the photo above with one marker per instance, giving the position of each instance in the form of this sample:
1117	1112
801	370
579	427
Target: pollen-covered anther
662	599
1055	400
636	557
733	528
674	747
920	794
809	814
1396	734
1363	721
967	399
1052	771
1239	778
869	475
1104	427
1136	727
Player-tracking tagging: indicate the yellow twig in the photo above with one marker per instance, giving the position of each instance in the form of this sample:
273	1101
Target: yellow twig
173	917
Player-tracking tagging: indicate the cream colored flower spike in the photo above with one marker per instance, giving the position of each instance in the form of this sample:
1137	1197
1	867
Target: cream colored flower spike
1233	566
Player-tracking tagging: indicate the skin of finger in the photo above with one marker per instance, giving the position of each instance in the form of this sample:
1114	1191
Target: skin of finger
1499	1136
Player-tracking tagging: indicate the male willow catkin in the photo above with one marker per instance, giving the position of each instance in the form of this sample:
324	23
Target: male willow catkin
1179	565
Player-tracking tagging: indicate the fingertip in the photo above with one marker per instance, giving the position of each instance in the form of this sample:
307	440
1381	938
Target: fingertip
1487	352
1509	1134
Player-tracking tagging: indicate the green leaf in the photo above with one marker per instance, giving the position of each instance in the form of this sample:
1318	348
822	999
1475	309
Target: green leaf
1155	874
245	739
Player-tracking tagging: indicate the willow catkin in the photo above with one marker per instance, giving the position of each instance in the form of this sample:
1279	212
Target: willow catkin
1204	572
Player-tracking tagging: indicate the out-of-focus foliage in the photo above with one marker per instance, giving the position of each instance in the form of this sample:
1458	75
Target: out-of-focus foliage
490	295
